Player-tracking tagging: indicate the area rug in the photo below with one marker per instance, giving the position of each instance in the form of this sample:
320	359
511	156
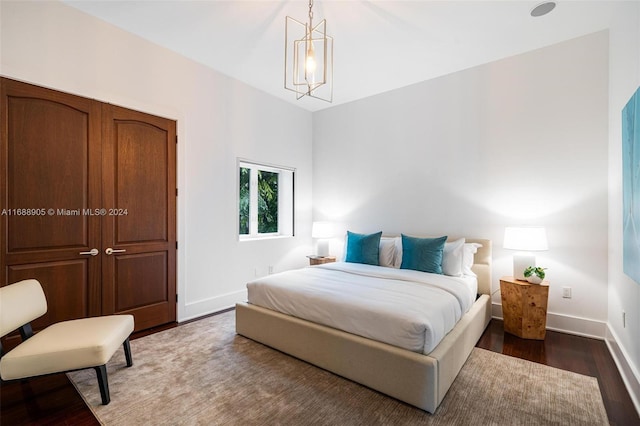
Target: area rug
202	373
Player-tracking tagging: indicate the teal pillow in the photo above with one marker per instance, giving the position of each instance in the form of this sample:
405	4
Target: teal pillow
363	248
422	254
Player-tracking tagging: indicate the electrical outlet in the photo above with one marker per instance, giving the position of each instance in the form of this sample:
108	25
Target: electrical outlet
270	269
624	319
566	292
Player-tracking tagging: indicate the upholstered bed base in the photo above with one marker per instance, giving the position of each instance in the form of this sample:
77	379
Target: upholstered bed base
419	380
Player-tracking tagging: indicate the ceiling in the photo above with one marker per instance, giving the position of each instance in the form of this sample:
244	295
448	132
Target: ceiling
379	45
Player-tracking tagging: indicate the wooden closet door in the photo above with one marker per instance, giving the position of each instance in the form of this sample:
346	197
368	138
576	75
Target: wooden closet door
139	192
51	179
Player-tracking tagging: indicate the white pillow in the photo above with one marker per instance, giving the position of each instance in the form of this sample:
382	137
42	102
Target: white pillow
467	258
398	260
388	253
452	258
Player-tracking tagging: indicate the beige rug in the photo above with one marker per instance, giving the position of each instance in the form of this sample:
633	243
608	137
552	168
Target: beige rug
202	373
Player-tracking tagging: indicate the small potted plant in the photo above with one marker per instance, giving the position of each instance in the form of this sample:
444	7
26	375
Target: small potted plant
534	274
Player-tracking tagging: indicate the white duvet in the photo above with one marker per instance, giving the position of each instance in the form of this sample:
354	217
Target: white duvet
405	308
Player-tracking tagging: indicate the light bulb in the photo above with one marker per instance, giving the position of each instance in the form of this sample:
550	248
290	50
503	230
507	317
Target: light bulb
310	66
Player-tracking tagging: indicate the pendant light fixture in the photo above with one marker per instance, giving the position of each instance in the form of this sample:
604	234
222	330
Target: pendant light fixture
308	58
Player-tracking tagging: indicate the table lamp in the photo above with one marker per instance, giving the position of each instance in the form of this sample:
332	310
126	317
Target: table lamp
322	231
524	239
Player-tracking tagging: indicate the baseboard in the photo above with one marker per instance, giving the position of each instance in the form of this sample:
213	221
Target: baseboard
215	304
630	376
566	324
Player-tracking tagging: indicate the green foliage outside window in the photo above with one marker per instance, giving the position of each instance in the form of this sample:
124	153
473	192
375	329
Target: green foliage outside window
267	202
245	176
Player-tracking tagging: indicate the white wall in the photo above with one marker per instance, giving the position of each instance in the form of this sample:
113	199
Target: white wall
519	141
624	293
219	119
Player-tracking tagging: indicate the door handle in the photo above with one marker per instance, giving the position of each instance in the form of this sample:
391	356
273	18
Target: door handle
92	252
110	251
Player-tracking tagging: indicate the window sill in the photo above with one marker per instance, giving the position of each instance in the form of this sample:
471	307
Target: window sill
242	238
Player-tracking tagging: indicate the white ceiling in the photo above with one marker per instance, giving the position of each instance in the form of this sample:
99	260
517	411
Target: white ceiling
379	45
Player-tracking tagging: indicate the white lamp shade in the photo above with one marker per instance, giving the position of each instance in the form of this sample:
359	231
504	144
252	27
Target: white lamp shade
322	230
530	238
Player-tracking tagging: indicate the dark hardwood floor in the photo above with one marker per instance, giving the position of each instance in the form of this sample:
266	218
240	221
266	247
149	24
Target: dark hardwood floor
52	400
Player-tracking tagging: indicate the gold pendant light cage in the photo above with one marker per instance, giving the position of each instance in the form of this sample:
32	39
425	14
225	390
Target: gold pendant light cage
308	58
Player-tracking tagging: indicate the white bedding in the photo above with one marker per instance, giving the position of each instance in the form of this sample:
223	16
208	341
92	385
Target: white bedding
405	308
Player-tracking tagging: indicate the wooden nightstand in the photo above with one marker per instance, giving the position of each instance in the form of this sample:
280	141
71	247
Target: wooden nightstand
319	260
524	307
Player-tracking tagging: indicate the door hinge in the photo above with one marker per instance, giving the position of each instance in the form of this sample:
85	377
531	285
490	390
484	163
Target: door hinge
176	138
176	297
176	245
176	192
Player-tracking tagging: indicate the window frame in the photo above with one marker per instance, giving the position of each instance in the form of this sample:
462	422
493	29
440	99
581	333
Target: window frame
286	200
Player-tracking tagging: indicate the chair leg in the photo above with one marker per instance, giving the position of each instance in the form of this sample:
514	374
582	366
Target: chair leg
103	383
127	352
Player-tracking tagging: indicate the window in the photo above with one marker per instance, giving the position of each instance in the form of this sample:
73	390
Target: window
265	200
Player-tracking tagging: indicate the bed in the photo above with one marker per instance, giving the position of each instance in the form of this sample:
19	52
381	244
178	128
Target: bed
418	377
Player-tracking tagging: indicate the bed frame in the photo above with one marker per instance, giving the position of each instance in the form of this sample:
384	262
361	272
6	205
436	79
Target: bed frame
417	379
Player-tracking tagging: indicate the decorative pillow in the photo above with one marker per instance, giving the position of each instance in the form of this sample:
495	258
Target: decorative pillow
452	258
422	254
467	258
387	255
363	248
